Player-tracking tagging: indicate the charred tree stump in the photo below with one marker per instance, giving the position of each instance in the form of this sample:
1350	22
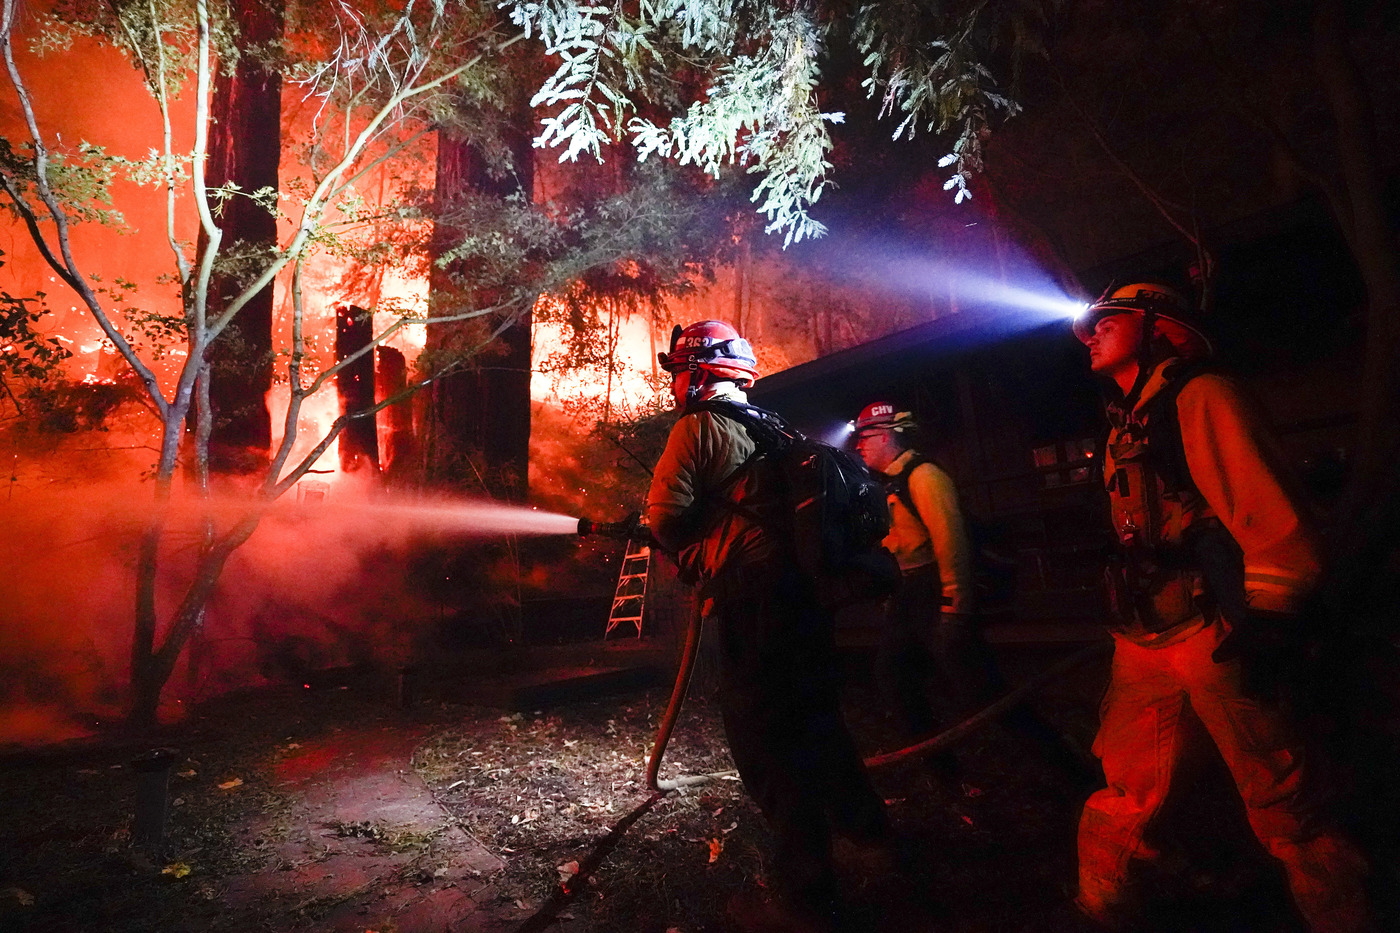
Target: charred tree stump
397	445
152	797
355	387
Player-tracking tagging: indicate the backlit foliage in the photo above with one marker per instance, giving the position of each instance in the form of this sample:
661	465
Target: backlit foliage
716	83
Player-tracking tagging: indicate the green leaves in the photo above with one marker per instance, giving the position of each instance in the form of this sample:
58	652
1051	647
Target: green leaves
25	352
926	65
82	180
754	70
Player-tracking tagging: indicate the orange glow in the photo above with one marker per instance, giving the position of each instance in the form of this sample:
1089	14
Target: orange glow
629	385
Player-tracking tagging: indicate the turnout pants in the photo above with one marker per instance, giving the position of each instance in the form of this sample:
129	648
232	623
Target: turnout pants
1155	697
918	644
779	695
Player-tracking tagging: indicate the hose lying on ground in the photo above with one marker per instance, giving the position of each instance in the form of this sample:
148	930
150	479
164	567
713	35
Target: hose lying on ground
973	723
566	892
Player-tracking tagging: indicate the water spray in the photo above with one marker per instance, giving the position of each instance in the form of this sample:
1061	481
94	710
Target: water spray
472	518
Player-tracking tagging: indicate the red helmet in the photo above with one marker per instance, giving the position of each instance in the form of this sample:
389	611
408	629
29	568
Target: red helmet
883	416
1174	320
713	346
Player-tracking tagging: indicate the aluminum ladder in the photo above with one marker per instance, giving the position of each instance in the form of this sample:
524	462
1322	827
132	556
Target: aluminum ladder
629	598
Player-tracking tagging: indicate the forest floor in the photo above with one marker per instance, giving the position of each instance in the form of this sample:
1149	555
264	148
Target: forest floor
331	810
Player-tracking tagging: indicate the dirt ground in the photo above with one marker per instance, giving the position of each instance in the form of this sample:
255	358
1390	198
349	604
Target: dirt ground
332	810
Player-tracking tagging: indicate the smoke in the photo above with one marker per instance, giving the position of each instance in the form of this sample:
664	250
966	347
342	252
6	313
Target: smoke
337	584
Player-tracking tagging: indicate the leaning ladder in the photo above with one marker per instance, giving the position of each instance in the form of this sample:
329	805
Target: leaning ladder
630	595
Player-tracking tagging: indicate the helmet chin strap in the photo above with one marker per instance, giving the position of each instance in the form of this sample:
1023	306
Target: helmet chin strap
693	384
1144	360
701	385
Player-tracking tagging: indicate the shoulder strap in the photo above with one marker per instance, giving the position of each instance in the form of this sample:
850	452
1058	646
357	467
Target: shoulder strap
1164	443
752	419
765	428
898	483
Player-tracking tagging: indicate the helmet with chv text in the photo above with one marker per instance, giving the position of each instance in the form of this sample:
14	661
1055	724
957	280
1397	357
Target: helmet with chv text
1172	317
713	347
884	416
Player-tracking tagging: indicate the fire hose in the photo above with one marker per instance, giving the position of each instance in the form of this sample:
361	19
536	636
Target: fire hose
921	749
970	725
660	789
566	891
631	528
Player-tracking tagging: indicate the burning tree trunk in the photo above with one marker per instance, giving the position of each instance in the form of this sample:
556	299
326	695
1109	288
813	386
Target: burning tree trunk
478	430
354	385
396	442
245	144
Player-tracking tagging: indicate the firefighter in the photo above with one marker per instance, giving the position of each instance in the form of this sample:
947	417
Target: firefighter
929	621
931	624
778	672
1215	560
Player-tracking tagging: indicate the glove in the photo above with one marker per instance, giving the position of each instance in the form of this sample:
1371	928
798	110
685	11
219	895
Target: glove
1257	632
1265	644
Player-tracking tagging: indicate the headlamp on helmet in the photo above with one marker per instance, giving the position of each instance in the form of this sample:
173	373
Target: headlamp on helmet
1172	318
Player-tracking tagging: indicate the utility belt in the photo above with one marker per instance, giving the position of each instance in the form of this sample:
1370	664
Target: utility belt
1155	588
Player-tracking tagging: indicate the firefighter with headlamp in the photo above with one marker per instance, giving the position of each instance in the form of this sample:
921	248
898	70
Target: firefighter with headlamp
929	621
779	691
1215	559
932	630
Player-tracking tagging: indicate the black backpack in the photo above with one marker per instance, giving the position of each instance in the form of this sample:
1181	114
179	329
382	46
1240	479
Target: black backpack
835	515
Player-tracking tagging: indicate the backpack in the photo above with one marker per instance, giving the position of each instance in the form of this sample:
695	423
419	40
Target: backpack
993	573
833	516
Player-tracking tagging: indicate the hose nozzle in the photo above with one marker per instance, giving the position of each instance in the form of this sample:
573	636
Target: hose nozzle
629	527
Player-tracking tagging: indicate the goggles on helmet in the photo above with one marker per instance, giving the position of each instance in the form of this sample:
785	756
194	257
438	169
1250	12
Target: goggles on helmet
883	416
711	345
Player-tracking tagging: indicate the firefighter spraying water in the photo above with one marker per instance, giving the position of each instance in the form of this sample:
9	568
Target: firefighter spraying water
717	501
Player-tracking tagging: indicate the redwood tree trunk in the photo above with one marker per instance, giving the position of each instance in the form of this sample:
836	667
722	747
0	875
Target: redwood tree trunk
478	419
245	144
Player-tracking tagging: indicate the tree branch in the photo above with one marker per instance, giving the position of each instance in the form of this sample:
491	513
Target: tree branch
316	204
69	267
